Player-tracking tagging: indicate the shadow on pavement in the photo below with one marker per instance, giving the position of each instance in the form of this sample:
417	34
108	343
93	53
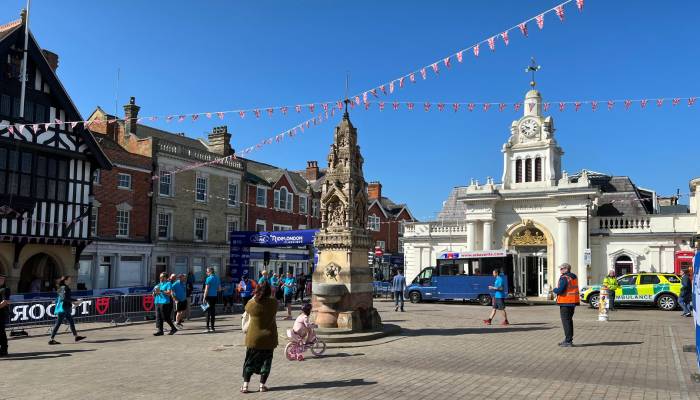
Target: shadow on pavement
40	355
340	355
467	331
622	320
608	344
324	385
111	340
529	323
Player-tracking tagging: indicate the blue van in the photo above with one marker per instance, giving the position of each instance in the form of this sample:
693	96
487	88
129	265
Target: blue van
461	276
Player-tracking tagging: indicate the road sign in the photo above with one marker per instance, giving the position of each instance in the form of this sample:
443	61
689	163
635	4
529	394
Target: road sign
587	256
378	251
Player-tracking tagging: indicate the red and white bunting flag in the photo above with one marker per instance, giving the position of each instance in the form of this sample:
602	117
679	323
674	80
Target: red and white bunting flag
412	77
154	118
579	4
504	36
594	105
270	111
530	106
540	21
455	106
257	113
284	110
208	115
471	106
241	114
502	107
516	106
562	106
35	128
436	68
546	107
325	107
446	61
395	105
492	43
279	137
691	101
74	124
220	115
169	118
381	106
258	146
364	98
297	108
628	104
268	141
487	106
391	87
11	129
373	92
383	88
339	104
181	118
611	104
476	51
401	80
313	106
523	28
659	102
675	101
643	103
409	106
560	12
423	73
460	55
332	111
195	117
308	124
353	104
441	106
426	106
58	121
366	108
293	132
577	105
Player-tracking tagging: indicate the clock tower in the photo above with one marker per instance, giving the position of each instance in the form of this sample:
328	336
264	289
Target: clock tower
531	156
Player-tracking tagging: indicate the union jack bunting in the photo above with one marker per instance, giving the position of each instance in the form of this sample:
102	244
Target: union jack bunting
313	106
391	87
562	105
381	106
611	104
373	92
241	114
476	51
455	106
691	101
471	106
486	106
257	113
270	111
364	98
546	107
459	56
441	106
577	105
383	88
436	68
492	43
523	28
516	106
423	73
395	105
297	108
675	101
594	105
208	115
502	107
409	106
579	4
412	77
220	115
540	21
426	106
446	61
504	36
628	103
659	102
195	117
181	118
560	12
284	110
643	103
325	106
401	81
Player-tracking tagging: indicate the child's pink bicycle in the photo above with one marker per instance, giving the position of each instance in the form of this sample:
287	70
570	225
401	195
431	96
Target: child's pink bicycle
297	346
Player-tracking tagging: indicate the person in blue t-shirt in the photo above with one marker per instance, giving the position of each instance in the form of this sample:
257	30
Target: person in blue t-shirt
500	292
162	294
178	285
228	288
212	287
288	284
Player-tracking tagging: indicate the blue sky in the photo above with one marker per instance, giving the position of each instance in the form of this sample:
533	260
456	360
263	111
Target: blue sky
186	56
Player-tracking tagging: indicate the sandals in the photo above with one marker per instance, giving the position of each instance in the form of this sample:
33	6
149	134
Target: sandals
263	388
244	390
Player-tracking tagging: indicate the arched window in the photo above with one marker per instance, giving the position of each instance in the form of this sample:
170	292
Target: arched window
623	265
528	170
538	169
518	171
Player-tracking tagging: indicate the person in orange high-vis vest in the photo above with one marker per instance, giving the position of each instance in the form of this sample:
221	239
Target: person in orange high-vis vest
567	299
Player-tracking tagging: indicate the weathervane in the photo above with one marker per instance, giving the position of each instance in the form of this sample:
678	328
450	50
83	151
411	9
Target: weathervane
533	67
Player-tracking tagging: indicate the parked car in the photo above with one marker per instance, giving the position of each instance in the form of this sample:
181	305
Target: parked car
659	289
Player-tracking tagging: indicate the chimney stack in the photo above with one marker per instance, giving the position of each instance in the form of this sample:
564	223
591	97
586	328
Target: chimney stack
374	190
220	141
312	172
131	113
51	58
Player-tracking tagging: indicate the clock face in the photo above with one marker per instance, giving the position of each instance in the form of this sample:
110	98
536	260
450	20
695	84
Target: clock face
530	128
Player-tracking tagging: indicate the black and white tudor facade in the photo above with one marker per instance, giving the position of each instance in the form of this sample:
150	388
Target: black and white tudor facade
45	170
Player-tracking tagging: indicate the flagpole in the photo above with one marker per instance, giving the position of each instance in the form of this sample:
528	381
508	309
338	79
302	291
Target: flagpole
24	61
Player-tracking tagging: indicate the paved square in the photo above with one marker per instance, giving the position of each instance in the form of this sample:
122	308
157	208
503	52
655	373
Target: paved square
444	352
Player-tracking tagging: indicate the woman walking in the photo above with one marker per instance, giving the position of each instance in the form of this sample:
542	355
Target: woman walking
63	310
261	338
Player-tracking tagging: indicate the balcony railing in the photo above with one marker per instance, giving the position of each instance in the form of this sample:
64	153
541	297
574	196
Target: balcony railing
435	229
673	223
199	155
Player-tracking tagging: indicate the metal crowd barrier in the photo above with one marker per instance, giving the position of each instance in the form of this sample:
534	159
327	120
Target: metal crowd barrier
382	289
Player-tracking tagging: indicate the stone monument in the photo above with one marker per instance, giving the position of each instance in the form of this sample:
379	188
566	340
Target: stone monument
342	280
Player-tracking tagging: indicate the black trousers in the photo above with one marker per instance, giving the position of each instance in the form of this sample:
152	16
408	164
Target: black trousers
3	336
164	312
67	316
567	321
211	311
611	300
300	292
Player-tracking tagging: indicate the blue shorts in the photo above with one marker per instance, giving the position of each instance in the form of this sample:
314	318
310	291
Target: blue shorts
499	303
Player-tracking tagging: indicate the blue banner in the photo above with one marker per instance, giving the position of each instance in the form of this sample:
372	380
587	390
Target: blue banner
277	238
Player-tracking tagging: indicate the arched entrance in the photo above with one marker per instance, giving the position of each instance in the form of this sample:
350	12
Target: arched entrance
532	246
38	274
623	265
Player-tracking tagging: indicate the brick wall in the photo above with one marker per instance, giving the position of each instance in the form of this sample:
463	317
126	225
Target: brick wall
272	216
109	196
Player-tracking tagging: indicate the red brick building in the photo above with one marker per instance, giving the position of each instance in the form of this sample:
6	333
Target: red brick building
121	250
278	199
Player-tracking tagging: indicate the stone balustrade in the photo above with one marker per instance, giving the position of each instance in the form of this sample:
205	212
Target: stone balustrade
198	155
644	223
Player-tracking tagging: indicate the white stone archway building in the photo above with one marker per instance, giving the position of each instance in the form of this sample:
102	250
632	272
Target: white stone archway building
547	217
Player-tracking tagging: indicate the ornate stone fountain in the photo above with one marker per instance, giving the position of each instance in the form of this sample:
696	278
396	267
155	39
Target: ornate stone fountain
342	281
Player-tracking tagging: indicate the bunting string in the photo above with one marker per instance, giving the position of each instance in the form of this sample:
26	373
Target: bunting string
9	212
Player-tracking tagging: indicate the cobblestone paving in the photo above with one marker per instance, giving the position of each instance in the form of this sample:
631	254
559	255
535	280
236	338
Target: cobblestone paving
444	352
